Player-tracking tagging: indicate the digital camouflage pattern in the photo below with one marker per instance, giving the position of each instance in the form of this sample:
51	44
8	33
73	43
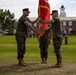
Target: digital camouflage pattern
21	34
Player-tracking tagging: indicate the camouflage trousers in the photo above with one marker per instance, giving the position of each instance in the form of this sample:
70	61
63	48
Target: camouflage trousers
20	46
57	46
43	44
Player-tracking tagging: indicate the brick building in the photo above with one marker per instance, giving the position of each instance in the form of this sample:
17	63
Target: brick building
69	23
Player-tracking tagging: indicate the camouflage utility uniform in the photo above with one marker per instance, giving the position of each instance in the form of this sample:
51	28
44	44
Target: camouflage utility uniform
43	44
57	38
21	34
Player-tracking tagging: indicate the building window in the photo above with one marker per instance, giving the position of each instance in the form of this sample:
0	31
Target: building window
64	23
70	23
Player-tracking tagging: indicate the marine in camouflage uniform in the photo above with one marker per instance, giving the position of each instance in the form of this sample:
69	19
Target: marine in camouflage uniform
57	36
57	40
44	41
21	34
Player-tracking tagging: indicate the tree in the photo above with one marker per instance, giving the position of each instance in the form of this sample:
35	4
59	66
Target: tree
7	20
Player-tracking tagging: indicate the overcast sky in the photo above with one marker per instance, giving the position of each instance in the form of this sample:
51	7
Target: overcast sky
16	6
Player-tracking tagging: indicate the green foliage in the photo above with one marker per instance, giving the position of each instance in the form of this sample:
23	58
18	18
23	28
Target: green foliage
7	20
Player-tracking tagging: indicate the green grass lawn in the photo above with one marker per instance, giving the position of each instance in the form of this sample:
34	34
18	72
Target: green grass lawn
8	51
8	54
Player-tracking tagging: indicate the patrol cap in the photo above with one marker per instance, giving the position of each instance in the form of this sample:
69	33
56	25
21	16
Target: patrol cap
54	11
26	9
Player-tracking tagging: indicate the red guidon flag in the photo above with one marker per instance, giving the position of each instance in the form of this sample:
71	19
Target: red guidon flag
44	14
